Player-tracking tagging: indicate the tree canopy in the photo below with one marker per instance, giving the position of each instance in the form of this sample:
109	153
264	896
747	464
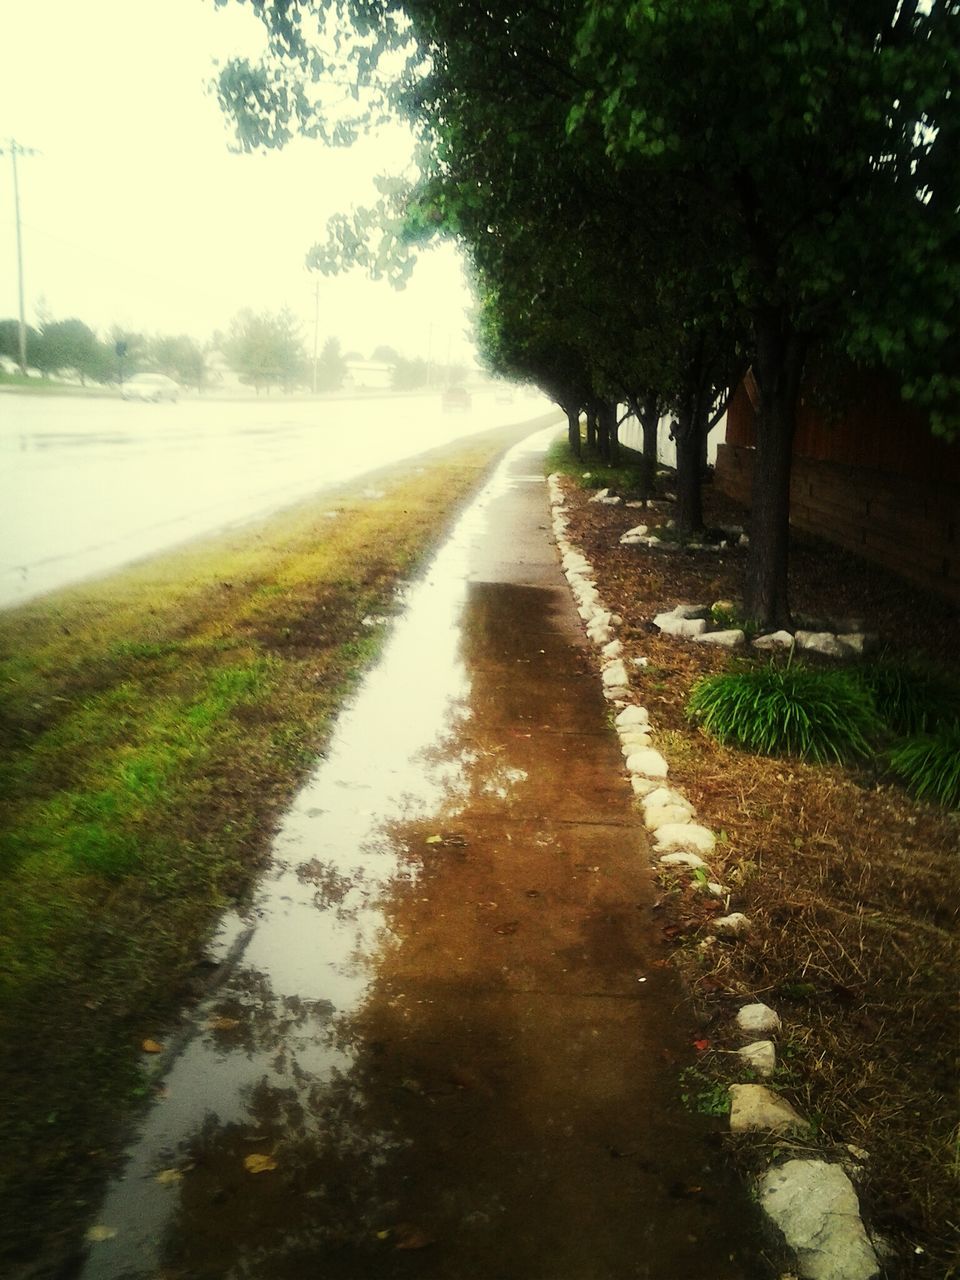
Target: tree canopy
656	194
266	349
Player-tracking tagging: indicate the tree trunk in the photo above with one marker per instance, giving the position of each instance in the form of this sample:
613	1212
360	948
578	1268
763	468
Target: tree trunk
687	435
573	432
778	369
650	424
607	416
591	429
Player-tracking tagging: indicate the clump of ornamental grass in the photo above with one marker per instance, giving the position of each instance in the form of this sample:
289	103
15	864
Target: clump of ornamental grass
929	765
911	699
817	715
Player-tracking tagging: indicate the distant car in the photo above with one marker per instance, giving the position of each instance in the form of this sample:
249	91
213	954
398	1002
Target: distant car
455	398
150	386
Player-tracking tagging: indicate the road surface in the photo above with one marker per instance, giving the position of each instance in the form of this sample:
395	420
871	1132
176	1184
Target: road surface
87	486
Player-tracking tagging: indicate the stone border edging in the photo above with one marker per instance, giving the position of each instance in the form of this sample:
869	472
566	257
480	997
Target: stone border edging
812	1202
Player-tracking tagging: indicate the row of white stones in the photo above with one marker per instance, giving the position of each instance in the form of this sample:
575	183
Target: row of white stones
813	1202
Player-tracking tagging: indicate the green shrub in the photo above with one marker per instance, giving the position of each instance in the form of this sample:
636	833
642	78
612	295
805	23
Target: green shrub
816	715
911	699
930	766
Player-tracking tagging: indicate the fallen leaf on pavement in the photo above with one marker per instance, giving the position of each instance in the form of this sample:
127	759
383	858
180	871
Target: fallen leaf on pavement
223	1024
509	928
434	840
152	1046
701	1045
259	1163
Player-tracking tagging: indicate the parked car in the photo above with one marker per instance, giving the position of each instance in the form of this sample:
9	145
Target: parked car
150	386
455	398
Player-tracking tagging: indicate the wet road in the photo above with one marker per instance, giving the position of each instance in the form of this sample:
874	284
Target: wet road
438	1048
87	486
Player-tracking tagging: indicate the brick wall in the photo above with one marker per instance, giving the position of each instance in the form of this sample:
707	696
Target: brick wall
908	525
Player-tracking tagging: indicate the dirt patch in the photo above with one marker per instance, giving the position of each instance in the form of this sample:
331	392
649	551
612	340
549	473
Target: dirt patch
852	884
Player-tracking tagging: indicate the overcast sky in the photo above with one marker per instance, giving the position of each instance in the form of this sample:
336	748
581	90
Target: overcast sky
136	212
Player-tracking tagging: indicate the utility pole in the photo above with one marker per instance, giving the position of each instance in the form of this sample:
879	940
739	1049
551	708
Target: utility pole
316	330
15	149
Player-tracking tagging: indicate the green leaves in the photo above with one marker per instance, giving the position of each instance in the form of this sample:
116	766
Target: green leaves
930	766
815	715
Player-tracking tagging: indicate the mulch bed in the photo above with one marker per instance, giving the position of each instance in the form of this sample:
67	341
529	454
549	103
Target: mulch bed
851	884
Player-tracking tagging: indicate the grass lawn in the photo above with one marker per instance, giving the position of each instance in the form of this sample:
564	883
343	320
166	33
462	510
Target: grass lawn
153	727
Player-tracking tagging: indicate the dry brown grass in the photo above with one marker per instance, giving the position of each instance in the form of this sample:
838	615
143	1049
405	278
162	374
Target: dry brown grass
852	887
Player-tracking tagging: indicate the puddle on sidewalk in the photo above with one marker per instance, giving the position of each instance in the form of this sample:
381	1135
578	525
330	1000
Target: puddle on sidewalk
439	1049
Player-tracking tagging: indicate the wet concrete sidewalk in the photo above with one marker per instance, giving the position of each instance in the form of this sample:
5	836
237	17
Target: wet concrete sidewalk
446	1042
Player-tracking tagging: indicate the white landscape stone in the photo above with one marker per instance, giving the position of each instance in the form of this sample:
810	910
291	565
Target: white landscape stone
690	836
774	640
824	642
735	925
684	628
815	1206
761	1055
642	786
576	563
638	531
648	762
758	1019
613	650
600	495
666	795
634	741
632	715
665	815
691	610
609	502
682	860
732	639
717	890
857	642
754	1107
615	673
665	807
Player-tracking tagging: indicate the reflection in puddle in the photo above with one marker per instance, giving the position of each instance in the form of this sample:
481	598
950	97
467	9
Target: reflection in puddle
304	959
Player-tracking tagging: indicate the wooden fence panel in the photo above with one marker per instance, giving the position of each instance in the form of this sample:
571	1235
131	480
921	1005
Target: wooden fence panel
908	526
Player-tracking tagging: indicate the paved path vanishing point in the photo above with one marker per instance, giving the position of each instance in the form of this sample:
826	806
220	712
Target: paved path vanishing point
446	1044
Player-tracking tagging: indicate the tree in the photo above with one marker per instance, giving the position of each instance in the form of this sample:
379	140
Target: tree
10	341
743	188
410	374
73	345
810	143
180	358
385	355
266	350
331	366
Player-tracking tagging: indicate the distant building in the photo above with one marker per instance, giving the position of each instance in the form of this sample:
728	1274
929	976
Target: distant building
368	375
